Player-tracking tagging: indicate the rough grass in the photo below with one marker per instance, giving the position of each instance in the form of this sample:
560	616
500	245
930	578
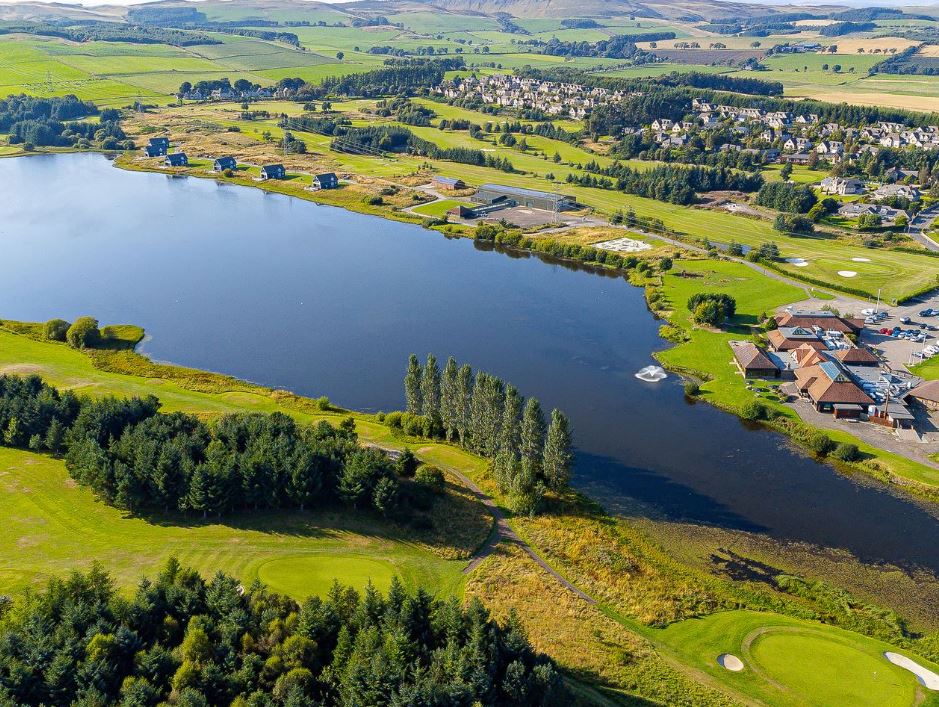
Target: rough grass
581	637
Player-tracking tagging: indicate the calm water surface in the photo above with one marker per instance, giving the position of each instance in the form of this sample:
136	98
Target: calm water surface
324	301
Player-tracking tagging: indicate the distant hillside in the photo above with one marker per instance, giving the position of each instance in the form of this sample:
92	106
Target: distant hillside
23	11
311	10
689	10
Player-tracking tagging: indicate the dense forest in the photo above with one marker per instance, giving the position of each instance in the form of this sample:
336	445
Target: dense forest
397	78
673	184
136	458
37	122
485	415
783	196
92	31
195	643
841	28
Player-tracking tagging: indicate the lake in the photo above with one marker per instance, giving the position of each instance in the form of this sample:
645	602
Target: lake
324	301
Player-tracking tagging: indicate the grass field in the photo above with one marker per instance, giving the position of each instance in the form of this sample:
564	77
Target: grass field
53	526
792	662
439	208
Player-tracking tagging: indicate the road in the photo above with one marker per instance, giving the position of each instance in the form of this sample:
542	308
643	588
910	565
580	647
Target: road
920	223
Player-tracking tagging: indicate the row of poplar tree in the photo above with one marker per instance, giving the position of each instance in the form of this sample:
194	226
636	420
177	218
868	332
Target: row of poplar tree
486	416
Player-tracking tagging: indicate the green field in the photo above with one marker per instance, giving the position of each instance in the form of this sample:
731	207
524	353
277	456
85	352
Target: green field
52	526
439	208
792	662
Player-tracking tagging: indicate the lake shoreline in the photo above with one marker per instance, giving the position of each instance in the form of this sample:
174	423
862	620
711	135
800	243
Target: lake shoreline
886	477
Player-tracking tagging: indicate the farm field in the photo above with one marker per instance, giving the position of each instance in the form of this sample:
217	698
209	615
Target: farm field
116	73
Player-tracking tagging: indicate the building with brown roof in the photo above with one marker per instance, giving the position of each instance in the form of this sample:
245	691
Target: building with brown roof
752	361
926	394
831	389
821	319
807	355
791	338
856	356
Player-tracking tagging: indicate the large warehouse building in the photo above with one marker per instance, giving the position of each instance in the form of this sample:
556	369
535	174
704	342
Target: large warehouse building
497	194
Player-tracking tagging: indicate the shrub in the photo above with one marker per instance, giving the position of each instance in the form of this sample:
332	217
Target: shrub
323	403
846	452
374	200
406	464
84	333
820	443
55	329
429	476
753	410
692	388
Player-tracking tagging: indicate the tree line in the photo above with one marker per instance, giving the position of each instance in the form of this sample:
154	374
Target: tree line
95	31
669	183
393	138
181	639
35	121
486	416
620	46
138	459
397	78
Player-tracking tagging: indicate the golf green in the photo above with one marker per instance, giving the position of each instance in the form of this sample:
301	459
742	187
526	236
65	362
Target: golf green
300	576
828	669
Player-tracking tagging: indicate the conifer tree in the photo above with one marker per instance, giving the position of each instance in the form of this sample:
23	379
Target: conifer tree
511	419
430	389
449	399
558	455
464	396
531	438
412	386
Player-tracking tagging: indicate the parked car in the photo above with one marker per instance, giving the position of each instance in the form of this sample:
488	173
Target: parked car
904	320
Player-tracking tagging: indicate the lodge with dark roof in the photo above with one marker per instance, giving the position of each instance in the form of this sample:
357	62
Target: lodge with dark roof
752	361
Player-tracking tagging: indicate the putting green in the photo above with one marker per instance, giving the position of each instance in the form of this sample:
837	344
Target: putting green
300	576
828	670
788	662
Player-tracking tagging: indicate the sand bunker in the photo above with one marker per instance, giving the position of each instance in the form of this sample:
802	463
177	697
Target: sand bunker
798	262
861	260
847	273
730	662
927	677
652	374
623	245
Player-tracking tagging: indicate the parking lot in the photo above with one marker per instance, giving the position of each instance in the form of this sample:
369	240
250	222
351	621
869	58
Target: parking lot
900	353
903	352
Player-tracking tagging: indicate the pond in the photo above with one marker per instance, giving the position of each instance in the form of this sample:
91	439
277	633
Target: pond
324	301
